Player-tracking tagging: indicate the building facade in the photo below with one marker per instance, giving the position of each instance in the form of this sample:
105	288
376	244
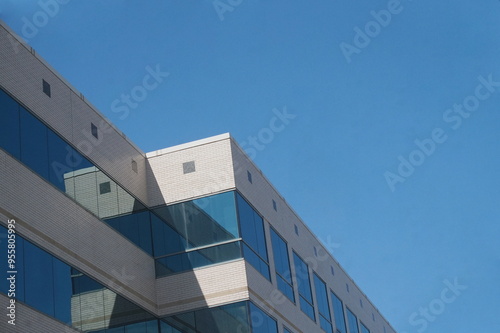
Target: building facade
97	236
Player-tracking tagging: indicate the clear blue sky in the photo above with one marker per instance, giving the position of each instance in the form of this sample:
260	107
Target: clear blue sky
357	111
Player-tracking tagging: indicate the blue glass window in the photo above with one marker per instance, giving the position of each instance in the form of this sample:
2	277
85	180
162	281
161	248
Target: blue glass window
9	122
260	321
39	279
62	291
136	227
364	329
197	258
252	232
304	286
227	318
165	239
352	321
338	313
34	148
203	221
282	265
256	261
323	307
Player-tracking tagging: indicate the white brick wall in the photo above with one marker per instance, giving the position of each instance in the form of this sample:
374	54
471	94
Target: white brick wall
213	173
207	286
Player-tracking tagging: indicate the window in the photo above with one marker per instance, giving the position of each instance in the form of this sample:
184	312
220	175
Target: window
364	329
332	270
373	317
56	289
315	251
338	313
282	265
34	148
134	166
249	176
325	319
235	317
104	188
203	221
347	287
360	302
197	258
352	321
188	167
260	321
9	118
304	286
46	87
274	206
252	232
286	330
296	229
93	130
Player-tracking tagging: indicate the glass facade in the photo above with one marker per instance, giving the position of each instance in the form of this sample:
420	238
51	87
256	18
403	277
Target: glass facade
304	286
181	237
325	319
282	265
206	231
352	321
184	231
338	313
252	232
62	292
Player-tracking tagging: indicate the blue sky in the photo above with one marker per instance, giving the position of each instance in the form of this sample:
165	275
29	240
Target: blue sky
357	116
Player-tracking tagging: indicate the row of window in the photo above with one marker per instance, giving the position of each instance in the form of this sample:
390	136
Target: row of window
284	283
60	291
181	237
177	231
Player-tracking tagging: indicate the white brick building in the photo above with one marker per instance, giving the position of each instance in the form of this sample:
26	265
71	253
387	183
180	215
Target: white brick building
191	238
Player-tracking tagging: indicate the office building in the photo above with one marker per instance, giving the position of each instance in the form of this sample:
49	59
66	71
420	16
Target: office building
103	237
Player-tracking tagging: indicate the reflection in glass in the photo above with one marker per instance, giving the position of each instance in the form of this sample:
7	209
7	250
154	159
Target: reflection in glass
282	265
352	322
338	313
9	122
203	221
260	321
39	291
62	292
226	318
323	307
34	149
197	258
252	232
304	286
